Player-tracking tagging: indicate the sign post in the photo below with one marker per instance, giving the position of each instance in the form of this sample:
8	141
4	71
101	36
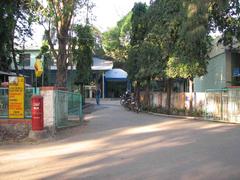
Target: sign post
16	97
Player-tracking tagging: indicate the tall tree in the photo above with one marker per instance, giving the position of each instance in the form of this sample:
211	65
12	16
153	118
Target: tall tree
15	27
58	15
180	28
137	35
116	41
82	54
164	21
225	17
190	57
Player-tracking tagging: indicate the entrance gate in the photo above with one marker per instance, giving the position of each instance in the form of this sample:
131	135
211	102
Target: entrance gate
68	109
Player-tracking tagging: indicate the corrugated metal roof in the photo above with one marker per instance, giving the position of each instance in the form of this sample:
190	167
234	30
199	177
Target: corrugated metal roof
11	73
7	73
116	74
101	64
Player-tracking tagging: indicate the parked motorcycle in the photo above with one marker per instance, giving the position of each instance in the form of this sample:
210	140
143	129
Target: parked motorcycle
129	102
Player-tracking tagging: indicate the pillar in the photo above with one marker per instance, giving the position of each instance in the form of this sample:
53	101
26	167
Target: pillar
103	86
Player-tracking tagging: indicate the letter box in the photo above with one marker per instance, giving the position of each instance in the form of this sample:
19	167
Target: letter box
37	113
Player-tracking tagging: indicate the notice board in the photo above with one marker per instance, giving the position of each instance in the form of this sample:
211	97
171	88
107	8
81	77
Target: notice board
16	97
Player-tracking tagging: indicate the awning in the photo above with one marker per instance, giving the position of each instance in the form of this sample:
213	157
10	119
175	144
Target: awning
101	64
116	75
7	73
11	74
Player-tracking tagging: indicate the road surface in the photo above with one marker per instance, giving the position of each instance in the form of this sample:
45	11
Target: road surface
122	145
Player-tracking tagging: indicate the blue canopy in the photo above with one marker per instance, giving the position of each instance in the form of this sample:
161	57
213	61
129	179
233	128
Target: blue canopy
116	74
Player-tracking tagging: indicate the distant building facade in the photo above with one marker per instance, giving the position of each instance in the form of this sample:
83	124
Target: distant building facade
223	70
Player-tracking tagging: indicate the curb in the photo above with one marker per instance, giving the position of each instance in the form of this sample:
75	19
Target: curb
178	117
192	118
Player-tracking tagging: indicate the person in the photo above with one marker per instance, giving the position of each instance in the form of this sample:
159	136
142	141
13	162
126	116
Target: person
98	95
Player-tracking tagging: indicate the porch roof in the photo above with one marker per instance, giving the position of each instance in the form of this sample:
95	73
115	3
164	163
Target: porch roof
101	64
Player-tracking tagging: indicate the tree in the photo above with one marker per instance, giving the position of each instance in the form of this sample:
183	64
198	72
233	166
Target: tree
46	56
164	20
137	35
58	15
180	29
225	17
190	58
149	65
15	19
116	41
82	54
98	50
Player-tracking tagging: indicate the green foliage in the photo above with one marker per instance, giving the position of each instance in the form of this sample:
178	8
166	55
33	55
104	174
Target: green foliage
145	61
140	52
139	23
58	16
181	29
225	17
82	53
15	20
116	40
98	50
46	56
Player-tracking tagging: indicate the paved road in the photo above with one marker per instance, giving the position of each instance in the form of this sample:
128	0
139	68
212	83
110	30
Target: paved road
118	144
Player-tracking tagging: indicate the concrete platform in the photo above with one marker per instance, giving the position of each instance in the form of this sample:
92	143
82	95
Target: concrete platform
38	135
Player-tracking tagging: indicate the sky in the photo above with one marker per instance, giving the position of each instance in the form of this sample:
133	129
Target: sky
106	14
109	12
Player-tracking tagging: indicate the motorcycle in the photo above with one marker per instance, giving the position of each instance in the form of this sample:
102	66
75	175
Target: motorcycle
129	102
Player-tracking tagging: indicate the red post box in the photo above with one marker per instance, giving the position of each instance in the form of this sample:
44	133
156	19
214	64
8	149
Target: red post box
37	113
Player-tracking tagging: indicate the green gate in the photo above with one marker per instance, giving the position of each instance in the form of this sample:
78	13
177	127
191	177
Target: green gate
68	109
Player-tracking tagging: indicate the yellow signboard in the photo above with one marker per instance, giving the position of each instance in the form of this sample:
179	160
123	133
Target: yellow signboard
38	67
16	97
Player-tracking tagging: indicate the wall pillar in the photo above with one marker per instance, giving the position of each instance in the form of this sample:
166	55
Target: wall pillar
103	86
228	67
90	93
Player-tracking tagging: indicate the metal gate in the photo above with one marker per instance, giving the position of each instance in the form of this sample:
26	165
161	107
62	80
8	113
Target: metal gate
223	105
68	109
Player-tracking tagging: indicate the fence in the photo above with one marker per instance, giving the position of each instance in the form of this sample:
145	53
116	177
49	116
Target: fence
68	109
223	105
179	101
27	101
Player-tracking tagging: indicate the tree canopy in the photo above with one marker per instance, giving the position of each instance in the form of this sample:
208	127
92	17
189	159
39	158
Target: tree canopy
15	19
58	17
116	40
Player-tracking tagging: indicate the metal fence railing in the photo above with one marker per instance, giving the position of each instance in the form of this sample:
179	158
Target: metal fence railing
223	105
68	109
27	101
4	102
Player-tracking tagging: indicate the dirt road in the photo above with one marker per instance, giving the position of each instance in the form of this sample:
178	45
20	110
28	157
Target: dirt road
118	144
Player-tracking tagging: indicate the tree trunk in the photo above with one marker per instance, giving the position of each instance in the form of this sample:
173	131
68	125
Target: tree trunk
61	80
138	92
14	58
191	95
13	50
169	93
147	94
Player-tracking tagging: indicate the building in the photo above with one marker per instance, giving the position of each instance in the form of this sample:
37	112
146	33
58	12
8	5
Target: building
223	69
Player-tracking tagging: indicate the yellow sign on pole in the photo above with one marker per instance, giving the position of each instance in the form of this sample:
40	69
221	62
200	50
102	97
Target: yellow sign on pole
38	67
16	97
